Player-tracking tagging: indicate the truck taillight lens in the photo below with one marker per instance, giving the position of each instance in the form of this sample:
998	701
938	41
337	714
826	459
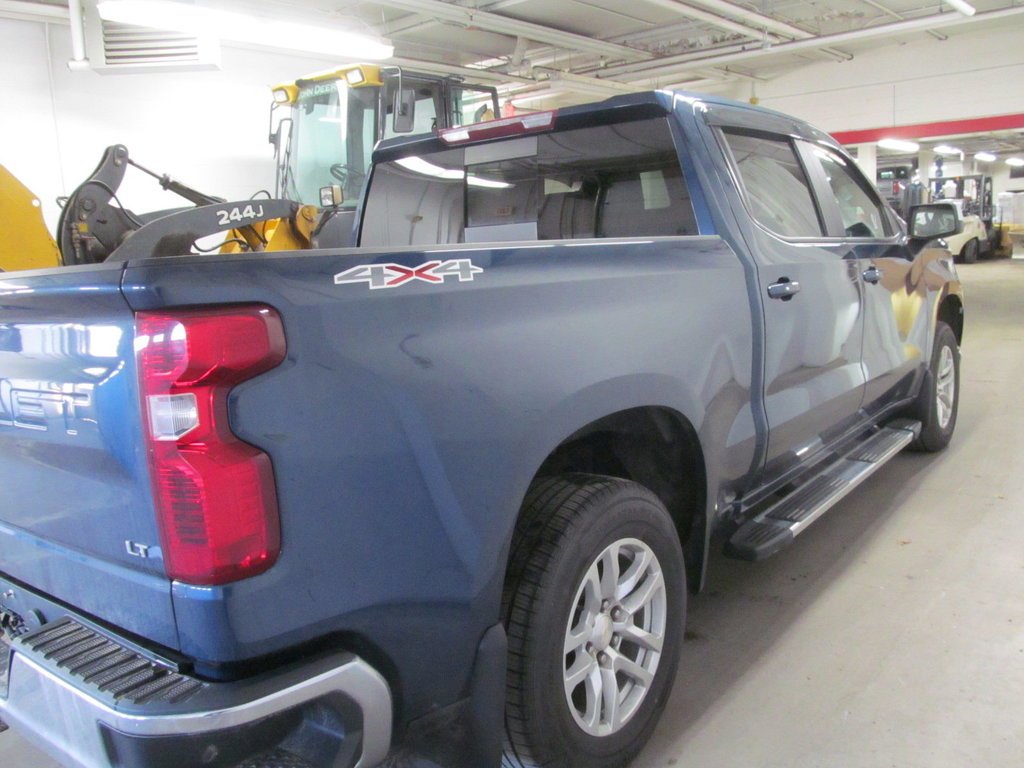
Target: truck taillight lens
215	494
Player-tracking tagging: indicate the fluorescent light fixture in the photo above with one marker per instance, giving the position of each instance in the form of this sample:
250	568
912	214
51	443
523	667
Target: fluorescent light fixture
1015	161
985	157
243	28
419	165
964	7
899	145
945	149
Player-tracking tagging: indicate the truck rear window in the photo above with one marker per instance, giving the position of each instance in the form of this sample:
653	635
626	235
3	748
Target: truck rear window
618	180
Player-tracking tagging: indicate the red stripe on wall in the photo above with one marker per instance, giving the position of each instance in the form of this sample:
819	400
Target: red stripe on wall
924	130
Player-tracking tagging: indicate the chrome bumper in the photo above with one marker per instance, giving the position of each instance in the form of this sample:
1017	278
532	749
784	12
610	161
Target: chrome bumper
56	699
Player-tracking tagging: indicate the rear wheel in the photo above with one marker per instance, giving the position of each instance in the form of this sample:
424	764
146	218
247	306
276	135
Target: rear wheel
939	399
594	608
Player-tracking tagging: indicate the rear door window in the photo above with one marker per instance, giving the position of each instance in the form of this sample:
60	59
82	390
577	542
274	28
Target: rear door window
777	189
620	180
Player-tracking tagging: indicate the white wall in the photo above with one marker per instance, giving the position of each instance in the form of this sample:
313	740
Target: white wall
206	129
972	74
1001	181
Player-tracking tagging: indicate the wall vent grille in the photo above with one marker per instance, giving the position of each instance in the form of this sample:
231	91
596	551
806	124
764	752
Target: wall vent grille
115	47
125	45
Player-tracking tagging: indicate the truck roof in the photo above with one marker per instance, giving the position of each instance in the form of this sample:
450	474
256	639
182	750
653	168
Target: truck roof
632	106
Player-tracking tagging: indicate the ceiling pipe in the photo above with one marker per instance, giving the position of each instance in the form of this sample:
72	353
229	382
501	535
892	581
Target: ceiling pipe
594	85
670	65
419	20
766	22
506	25
471	74
899	16
963	7
76	16
25	11
757	26
753	18
689	11
550	89
73	15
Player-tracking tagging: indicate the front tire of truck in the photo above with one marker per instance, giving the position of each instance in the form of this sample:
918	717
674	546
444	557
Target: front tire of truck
594	607
939	400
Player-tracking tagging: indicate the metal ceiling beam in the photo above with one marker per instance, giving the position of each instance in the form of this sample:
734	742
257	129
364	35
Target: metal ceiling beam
594	85
549	56
766	22
25	11
470	73
506	25
757	26
753	18
415	21
890	12
672	65
686	9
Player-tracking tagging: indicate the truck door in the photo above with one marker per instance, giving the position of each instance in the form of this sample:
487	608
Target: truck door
812	298
895	287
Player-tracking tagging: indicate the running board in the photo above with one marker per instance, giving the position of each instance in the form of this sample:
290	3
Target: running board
776	527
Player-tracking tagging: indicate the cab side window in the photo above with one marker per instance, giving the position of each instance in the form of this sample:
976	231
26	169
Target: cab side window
777	189
860	210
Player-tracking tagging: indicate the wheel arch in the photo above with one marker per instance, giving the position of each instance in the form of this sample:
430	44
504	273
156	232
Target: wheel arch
951	312
655	446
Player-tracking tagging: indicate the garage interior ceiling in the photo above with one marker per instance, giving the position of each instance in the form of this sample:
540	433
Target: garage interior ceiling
568	51
603	47
1001	143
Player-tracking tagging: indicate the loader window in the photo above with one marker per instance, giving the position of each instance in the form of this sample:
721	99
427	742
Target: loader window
621	180
428	98
332	138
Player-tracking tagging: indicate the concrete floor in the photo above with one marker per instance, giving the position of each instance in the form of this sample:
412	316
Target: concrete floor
891	634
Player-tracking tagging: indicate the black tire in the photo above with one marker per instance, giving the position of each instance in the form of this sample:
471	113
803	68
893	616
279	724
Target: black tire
969	253
938	419
570	526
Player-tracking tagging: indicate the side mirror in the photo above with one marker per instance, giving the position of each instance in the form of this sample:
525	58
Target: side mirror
280	134
928	222
404	111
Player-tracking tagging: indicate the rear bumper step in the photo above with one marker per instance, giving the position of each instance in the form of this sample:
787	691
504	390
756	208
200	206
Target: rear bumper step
94	702
775	527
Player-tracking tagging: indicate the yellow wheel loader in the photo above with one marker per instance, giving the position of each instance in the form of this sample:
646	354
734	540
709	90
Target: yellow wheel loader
323	147
331	121
28	243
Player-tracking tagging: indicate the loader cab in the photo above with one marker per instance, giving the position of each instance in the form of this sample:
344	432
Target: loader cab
325	139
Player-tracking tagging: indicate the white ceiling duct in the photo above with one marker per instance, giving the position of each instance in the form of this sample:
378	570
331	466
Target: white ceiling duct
124	48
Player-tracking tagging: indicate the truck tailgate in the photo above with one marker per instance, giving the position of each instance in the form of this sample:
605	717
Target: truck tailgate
76	512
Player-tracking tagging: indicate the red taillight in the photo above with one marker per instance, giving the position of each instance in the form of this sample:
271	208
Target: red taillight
496	129
215	495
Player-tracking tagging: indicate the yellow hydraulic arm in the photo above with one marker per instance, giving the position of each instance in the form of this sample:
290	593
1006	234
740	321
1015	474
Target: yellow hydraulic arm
26	242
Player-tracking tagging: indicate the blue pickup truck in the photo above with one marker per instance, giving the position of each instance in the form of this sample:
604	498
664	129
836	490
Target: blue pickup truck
440	498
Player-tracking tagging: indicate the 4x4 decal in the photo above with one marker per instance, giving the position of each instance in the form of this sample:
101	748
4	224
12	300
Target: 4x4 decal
393	275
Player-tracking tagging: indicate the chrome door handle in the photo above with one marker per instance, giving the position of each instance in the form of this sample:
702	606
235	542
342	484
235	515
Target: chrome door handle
872	274
784	289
